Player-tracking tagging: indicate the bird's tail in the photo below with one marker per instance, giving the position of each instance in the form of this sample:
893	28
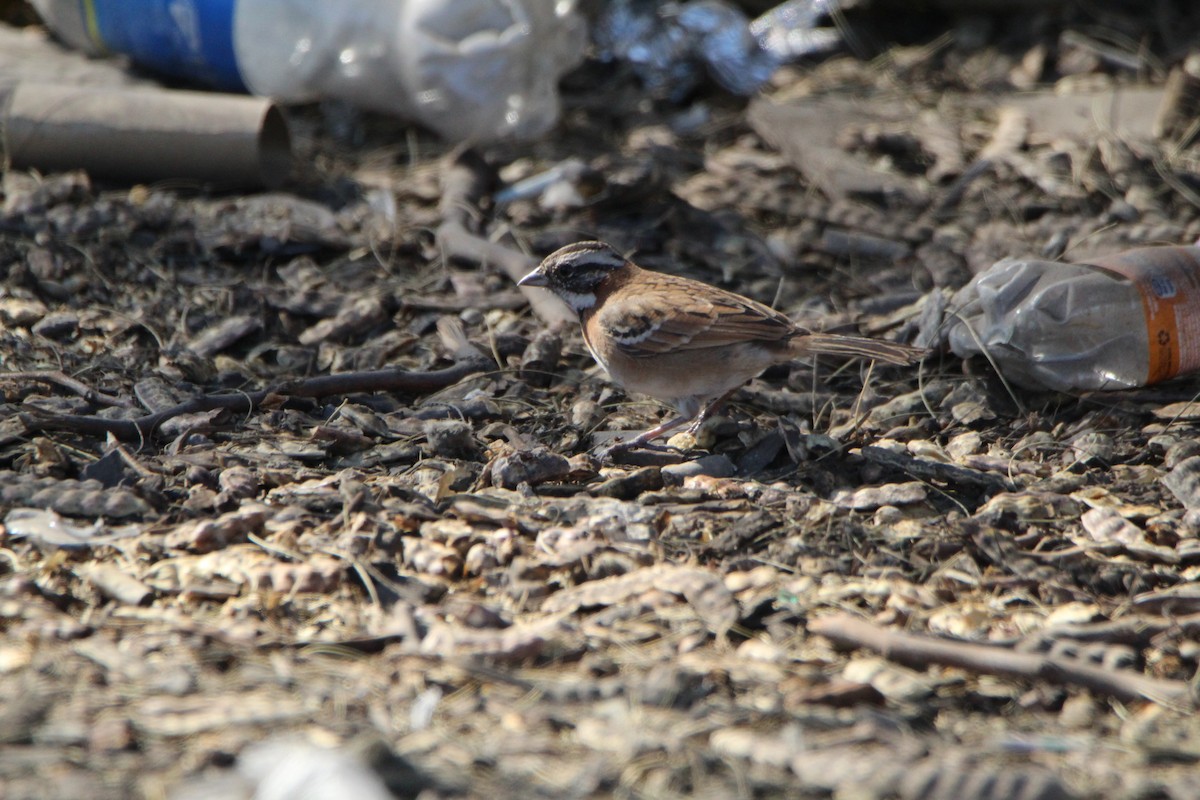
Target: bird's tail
832	344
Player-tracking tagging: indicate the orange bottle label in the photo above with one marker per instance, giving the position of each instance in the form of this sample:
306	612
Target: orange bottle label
1168	280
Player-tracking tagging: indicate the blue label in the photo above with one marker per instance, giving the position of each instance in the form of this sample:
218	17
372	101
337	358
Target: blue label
190	39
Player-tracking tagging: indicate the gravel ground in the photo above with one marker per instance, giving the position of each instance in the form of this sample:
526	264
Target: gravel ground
297	486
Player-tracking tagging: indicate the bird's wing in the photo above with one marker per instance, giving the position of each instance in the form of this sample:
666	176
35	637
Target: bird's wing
670	314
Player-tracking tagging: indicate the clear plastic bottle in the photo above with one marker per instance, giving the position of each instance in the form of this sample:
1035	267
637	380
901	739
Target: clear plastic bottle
1118	321
468	69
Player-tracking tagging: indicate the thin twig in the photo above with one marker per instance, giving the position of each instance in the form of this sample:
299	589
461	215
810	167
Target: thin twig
142	428
65	381
920	651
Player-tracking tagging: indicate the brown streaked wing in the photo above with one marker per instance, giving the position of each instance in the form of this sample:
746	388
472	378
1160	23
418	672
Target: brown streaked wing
670	314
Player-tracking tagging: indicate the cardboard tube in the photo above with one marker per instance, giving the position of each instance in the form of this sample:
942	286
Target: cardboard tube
142	135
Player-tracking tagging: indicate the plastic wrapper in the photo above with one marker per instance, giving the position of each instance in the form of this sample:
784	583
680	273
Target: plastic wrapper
792	29
671	46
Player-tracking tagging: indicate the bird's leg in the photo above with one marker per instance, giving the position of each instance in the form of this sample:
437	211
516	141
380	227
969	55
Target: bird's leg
656	431
609	452
644	439
709	410
689	409
689	413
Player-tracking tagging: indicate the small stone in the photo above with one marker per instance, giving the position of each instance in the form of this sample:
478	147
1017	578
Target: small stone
121	504
1180	451
1078	713
1122	211
43	265
969	404
1091	449
888	515
684	441
1159	443
584	413
450	438
238	481
760	650
198	474
1184	482
894	682
759	577
820	443
705	436
58	325
534	466
16	312
969	412
110	734
539	364
111	470
1035	444
480	558
224	334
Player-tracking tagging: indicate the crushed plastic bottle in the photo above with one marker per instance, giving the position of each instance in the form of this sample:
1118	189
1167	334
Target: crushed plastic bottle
470	69
1116	322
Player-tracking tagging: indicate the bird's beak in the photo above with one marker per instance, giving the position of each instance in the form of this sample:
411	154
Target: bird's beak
535	278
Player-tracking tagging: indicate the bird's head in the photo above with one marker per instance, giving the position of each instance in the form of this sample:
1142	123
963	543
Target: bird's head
575	272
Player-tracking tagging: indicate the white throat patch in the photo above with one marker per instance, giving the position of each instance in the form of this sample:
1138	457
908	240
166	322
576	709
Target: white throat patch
578	302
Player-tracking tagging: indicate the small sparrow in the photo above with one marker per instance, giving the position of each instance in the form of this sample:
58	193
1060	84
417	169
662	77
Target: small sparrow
681	341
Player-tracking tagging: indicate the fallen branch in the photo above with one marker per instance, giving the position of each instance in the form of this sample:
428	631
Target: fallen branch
65	381
143	428
848	631
464	184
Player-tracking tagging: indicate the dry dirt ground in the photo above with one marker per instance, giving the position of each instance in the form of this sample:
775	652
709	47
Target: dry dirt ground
861	583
